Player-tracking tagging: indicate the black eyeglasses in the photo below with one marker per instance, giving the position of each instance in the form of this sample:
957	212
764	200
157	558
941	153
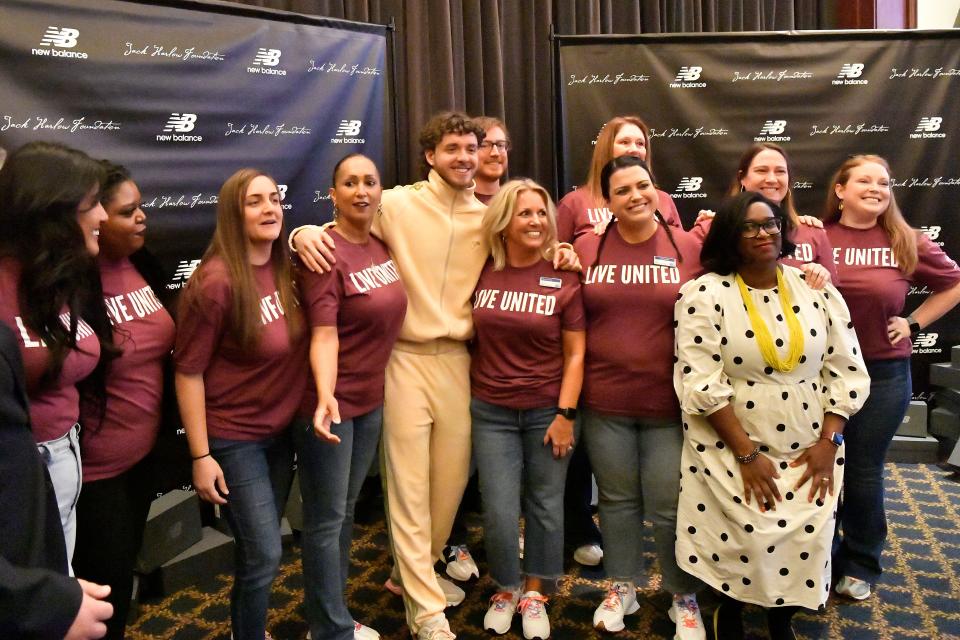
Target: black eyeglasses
771	227
501	145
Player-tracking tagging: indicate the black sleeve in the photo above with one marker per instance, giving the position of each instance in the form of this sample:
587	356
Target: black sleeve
36	603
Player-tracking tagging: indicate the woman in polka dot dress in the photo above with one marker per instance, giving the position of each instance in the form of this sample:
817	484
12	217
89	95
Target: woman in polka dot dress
768	372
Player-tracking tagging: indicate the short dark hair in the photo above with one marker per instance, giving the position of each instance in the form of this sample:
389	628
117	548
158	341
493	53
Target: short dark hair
114	176
719	253
441	124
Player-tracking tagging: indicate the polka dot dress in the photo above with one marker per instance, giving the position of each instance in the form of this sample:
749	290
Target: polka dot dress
779	557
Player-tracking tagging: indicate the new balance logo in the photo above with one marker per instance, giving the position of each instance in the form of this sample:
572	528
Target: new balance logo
282	188
929	125
181	122
184	270
689	187
925	340
65	38
267	57
688	74
853	70
773	127
349	128
932	232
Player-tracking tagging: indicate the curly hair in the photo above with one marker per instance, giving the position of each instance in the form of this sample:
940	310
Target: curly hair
443	123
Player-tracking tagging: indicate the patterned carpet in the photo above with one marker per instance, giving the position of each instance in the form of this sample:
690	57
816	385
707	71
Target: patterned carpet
919	596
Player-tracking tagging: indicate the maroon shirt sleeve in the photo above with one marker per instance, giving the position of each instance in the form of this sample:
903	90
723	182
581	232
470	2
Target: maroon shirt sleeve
566	217
321	295
668	209
813	245
200	328
935	269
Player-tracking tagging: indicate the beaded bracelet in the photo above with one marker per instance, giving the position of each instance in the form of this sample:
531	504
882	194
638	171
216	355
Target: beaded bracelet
747	459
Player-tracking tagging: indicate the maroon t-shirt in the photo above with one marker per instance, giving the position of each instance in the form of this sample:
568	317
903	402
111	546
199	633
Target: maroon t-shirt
628	294
875	289
364	298
249	394
577	213
54	405
519	315
485	198
144	331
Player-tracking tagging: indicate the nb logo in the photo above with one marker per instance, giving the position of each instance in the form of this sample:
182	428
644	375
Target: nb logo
690	184
925	340
349	128
282	189
184	270
933	231
688	74
851	70
181	122
929	125
65	38
773	127
267	57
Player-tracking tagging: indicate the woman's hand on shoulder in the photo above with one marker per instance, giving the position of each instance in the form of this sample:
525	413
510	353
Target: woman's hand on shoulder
565	258
816	275
811	221
208	480
315	248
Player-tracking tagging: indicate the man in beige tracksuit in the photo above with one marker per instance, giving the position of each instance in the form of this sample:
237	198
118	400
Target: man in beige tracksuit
432	229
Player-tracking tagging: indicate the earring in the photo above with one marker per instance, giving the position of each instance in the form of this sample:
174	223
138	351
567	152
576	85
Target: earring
336	212
741	188
840	208
379	209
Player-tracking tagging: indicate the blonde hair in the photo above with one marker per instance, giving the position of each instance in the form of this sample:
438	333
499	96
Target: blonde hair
903	237
500	212
603	152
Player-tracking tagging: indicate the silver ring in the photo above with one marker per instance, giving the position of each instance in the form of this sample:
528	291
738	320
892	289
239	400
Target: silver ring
824	479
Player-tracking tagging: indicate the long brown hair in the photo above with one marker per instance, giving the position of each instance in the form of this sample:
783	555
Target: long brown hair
903	237
603	152
229	243
747	159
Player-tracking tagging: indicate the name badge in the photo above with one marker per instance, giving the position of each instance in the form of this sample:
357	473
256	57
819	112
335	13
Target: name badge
553	283
661	261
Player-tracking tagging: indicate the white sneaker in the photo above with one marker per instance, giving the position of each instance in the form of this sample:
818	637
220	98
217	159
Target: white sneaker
460	564
589	555
499	615
685	613
363	632
452	592
853	588
436	628
621	600
536	623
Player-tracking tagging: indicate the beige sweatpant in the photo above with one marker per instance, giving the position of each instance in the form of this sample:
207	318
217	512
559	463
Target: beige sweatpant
426	462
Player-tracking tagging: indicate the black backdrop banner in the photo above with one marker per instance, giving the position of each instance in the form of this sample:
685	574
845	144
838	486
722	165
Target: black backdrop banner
184	94
821	95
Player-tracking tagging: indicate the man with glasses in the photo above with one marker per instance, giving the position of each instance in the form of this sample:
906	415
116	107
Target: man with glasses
492	157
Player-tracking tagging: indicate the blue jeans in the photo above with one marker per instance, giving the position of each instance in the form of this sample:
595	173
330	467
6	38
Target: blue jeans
637	464
513	461
868	434
258	475
62	457
331	476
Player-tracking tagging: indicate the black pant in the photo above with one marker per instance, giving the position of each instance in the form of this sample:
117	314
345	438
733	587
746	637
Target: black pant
578	525
111	515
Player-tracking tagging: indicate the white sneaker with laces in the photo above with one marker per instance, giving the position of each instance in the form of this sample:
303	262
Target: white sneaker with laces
460	564
436	628
533	609
363	632
452	592
621	600
499	615
589	555
853	588
685	613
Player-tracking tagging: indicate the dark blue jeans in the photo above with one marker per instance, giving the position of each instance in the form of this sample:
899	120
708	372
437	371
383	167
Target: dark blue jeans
861	520
331	476
512	461
258	475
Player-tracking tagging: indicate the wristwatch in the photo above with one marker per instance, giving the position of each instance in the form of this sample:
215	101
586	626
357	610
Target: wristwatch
836	439
914	325
569	413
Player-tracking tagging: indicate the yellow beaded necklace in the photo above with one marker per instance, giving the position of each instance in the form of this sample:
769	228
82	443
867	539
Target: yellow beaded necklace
762	334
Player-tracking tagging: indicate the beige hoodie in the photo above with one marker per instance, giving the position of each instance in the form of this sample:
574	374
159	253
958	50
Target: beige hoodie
434	234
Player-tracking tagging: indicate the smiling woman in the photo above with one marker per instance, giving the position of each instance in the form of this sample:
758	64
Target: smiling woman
240	373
